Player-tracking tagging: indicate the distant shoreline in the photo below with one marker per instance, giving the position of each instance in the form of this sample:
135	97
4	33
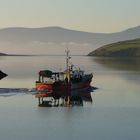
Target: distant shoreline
38	55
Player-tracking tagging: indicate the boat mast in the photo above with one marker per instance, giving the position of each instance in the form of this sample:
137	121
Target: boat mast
67	96
67	59
67	65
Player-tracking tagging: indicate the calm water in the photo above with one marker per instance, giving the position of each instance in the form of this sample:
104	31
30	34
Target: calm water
113	115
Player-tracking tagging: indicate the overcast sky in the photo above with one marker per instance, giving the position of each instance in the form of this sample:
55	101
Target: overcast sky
84	15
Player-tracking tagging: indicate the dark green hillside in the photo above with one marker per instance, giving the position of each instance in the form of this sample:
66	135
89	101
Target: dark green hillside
2	54
130	48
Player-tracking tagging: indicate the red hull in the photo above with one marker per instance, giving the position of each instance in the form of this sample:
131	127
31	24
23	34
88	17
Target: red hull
61	86
44	86
54	88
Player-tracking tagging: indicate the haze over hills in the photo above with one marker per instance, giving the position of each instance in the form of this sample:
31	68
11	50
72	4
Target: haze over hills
54	40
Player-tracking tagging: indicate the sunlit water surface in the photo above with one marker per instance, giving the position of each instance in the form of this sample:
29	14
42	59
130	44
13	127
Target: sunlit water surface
113	115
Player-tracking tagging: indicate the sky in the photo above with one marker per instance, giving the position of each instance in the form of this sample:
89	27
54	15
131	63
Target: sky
84	15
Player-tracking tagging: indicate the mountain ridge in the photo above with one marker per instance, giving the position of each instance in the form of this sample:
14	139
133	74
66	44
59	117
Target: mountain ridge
80	42
59	34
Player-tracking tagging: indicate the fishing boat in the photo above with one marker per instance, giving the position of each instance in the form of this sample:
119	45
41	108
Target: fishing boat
62	83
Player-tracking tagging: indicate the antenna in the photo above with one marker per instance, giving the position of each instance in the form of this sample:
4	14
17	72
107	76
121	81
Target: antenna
67	59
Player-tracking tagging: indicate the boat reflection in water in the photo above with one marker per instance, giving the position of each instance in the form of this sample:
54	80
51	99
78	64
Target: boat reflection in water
77	98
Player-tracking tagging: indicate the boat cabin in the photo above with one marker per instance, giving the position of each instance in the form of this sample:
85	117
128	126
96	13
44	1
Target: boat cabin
49	76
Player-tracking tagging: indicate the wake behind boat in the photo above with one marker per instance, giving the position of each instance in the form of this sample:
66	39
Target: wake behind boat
61	84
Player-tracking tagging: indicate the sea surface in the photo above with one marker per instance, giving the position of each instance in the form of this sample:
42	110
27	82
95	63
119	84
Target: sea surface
114	113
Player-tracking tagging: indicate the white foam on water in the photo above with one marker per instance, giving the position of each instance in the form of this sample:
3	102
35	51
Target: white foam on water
6	92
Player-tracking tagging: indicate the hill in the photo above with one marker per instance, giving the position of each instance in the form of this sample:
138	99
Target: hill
130	48
48	40
2	54
59	35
